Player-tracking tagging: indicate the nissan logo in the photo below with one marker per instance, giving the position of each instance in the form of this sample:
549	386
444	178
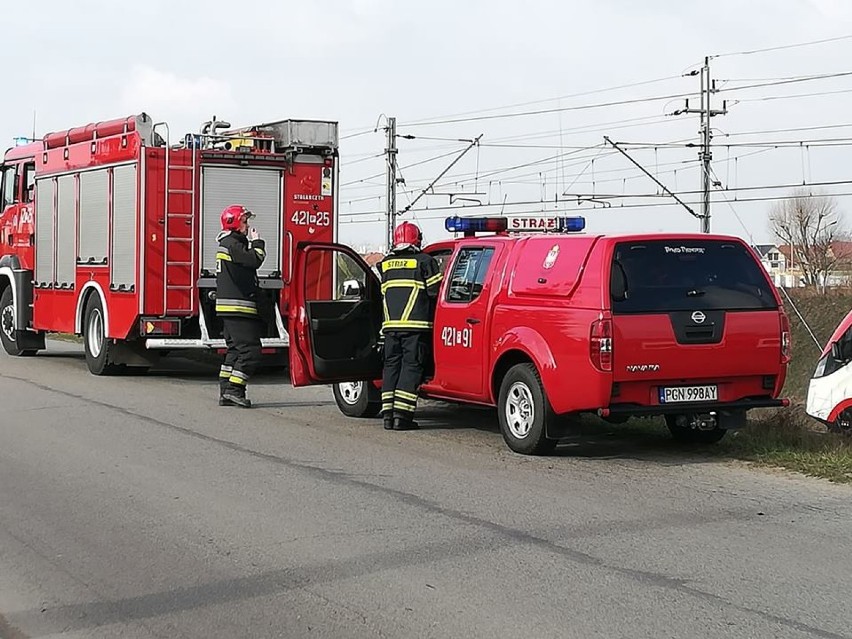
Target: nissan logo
698	317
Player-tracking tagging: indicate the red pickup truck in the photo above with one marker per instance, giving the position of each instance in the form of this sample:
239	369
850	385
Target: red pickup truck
558	322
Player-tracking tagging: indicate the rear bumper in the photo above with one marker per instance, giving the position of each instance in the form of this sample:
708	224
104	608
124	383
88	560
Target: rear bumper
672	409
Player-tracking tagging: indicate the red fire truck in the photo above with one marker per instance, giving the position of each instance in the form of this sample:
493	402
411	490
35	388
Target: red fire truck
109	231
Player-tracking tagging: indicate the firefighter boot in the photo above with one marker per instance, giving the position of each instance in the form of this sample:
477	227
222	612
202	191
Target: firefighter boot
223	388
387	420
405	423
236	395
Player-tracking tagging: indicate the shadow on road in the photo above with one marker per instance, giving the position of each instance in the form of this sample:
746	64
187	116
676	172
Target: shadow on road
588	437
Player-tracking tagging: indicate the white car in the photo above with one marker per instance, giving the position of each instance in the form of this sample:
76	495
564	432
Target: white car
830	389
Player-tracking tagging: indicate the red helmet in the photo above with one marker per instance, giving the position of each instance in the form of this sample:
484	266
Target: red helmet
407	233
233	215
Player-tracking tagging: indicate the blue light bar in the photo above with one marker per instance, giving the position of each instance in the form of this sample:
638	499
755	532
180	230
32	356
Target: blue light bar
458	224
21	141
573	224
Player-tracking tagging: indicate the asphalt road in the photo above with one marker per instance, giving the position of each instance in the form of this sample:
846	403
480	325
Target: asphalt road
136	507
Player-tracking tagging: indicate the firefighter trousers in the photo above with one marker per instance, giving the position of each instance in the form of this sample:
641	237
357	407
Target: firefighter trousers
405	358
242	337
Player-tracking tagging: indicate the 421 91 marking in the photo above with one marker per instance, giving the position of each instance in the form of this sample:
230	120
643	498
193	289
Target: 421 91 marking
462	337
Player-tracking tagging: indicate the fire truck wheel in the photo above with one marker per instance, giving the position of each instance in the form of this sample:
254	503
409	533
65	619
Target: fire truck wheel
8	332
97	345
524	411
357	399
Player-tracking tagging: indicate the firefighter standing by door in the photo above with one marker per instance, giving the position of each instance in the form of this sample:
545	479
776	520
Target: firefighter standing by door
239	255
410	282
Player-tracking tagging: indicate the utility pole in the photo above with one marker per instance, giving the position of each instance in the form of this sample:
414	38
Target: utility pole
706	112
391	152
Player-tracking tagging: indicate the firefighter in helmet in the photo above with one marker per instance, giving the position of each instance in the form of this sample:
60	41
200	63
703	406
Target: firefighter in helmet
239	255
410	282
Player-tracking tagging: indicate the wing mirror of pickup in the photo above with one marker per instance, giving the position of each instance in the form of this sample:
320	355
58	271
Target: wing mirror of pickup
352	290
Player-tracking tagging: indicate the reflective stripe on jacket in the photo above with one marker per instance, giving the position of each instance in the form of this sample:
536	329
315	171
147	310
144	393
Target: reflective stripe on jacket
410	283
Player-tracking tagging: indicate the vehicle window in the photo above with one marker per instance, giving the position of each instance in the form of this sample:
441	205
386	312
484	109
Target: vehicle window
837	357
443	259
332	275
10	174
661	276
29	182
351	278
468	274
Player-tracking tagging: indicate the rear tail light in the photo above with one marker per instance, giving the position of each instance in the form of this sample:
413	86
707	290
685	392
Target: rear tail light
786	343
159	326
600	345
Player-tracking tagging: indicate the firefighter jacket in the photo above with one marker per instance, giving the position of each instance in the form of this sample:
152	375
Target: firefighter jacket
237	261
410	282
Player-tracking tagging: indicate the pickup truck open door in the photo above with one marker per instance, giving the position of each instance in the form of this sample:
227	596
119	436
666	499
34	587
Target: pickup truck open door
335	317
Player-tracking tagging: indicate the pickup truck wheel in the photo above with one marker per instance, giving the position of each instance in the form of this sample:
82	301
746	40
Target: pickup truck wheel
95	340
688	435
357	399
8	330
524	411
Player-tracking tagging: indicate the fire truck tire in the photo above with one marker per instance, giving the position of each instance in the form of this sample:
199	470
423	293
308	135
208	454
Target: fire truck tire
524	411
8	331
357	399
97	345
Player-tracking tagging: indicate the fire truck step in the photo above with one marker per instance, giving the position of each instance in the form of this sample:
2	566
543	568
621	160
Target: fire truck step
179	287
179	239
178	263
187	215
181	191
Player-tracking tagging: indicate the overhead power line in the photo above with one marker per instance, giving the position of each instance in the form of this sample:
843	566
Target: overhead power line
783	47
579	107
546	100
564	203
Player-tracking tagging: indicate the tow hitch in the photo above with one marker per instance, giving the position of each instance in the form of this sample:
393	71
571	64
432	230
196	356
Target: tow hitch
698	421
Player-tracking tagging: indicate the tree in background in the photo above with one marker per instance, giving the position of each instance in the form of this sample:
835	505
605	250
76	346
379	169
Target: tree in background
812	226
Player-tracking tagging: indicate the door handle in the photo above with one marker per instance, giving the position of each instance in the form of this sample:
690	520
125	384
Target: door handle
472	320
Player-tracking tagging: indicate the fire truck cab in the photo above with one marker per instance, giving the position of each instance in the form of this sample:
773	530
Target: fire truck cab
109	231
544	321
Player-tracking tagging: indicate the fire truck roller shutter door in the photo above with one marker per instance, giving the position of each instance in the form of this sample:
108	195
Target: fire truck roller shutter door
66	221
45	197
124	245
259	190
93	247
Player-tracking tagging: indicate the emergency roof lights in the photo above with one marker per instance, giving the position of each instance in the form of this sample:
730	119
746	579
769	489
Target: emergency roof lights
22	141
458	224
518	224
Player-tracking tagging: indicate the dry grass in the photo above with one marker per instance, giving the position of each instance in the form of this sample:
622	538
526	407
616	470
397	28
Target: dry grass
793	440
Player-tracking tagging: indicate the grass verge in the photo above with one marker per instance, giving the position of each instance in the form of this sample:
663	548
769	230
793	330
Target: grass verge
791	439
788	439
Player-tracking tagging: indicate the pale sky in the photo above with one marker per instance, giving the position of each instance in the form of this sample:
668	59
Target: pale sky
354	60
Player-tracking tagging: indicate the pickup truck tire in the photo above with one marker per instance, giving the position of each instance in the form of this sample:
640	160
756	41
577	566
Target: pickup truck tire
524	411
357	399
693	435
8	330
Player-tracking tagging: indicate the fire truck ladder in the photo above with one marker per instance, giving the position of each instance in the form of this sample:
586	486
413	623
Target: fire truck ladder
178	290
